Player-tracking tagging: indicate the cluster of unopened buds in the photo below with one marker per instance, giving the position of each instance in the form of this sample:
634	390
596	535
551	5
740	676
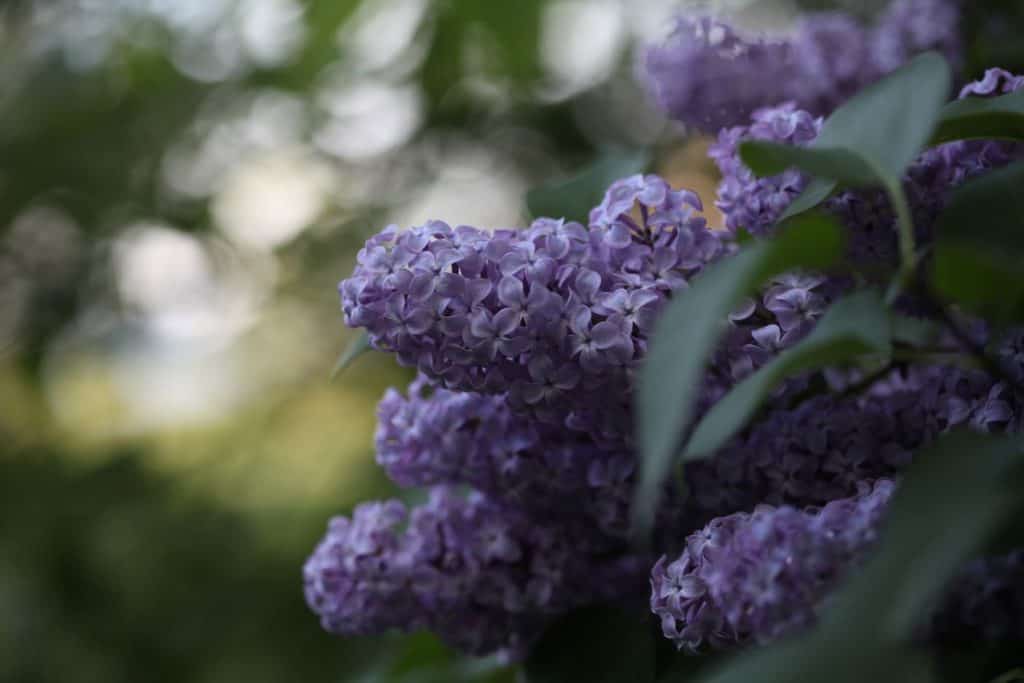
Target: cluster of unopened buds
526	344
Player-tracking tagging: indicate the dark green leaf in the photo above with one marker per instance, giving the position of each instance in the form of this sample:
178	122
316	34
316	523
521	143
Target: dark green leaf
980	245
597	645
772	158
872	138
851	328
355	348
917	332
685	335
817	191
982	117
574	198
831	659
979	662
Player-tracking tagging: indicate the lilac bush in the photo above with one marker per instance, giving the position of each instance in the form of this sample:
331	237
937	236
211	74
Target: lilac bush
530	346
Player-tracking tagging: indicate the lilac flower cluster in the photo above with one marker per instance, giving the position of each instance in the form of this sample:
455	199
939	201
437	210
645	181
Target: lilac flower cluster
542	481
709	76
481	575
435	436
748	202
554	317
759	575
823	448
754	577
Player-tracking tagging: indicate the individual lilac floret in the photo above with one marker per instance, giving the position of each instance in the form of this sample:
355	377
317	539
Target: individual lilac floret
556	316
758	576
483	576
823	448
709	76
435	436
995	82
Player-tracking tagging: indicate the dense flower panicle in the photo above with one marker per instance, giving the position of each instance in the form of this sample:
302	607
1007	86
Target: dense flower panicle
754	577
757	576
555	316
435	436
825	447
483	576
709	76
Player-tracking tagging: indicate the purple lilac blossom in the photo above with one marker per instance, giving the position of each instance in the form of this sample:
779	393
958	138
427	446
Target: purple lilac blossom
434	436
748	202
760	575
777	318
481	575
824	448
709	76
555	316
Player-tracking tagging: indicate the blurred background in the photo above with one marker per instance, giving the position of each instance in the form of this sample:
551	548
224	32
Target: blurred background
182	185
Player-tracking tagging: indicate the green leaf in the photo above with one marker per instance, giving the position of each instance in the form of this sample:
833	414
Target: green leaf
355	348
817	191
685	335
980	245
772	158
597	645
833	659
852	327
574	198
986	118
874	136
917	332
